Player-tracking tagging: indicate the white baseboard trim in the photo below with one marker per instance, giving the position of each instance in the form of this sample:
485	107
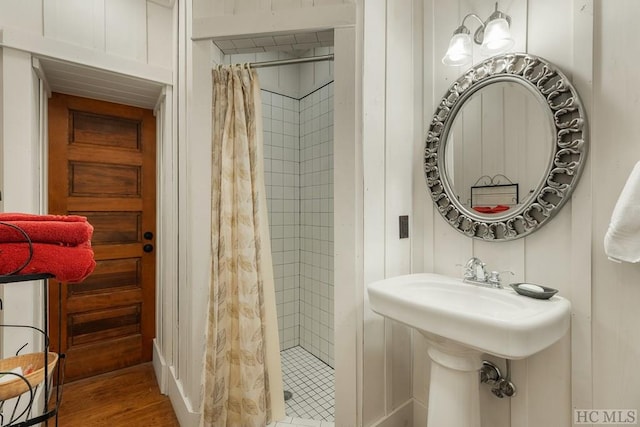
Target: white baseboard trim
187	417
419	414
160	367
402	416
171	386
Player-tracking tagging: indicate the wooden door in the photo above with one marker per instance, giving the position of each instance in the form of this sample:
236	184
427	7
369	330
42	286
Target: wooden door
102	166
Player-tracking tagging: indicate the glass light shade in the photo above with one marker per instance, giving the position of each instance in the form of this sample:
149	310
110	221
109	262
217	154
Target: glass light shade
497	37
459	52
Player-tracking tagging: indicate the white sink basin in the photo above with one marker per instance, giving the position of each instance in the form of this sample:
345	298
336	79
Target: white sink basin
495	321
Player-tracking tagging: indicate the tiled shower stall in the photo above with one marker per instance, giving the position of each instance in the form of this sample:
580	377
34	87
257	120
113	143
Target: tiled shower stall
298	151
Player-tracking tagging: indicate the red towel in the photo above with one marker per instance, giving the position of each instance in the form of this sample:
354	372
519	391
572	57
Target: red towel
67	264
65	233
489	209
17	216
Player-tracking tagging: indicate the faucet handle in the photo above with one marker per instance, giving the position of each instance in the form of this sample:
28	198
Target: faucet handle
473	261
468	271
494	278
507	271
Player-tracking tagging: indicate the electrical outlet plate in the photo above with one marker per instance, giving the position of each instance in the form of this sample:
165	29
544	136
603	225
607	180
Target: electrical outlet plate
404	226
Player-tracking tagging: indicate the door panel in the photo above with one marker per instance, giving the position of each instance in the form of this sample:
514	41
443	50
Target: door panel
102	166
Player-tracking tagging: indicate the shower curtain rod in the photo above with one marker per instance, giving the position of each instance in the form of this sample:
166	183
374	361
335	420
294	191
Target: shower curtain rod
291	61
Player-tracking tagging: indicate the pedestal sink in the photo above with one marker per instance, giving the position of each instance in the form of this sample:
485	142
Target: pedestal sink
461	322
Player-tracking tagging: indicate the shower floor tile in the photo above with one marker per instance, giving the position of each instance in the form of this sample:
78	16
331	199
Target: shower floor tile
300	422
312	383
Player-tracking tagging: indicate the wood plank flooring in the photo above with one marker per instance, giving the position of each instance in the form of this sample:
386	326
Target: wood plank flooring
128	397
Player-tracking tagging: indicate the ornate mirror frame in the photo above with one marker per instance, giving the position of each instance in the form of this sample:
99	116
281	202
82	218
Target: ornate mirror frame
566	162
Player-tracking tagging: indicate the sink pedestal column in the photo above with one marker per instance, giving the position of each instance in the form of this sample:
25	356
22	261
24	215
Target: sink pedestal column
454	389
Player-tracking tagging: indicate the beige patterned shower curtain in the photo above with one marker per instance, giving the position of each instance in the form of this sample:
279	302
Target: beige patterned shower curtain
242	376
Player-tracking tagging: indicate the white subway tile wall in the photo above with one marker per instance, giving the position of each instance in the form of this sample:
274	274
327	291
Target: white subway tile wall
298	151
316	223
281	119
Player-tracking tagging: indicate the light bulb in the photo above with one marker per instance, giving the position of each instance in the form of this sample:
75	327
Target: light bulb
459	52
497	37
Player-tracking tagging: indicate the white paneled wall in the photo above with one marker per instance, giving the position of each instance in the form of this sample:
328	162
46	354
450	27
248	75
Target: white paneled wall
616	149
541	28
22	15
134	29
21	191
130	38
160	41
374	362
239	7
88	32
316	224
392	83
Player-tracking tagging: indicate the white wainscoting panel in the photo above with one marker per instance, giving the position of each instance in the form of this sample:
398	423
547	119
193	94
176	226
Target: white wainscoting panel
24	15
80	22
541	28
373	135
616	129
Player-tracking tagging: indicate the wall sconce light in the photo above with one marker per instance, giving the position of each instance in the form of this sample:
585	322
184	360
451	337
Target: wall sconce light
493	35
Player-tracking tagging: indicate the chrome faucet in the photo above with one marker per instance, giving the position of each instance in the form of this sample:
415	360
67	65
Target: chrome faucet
475	272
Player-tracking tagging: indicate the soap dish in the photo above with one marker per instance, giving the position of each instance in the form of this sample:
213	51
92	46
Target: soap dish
545	294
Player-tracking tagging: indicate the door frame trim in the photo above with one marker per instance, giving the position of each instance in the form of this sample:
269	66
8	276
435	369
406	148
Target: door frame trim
39	46
166	161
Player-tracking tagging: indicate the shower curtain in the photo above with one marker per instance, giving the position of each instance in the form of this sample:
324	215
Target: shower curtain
242	374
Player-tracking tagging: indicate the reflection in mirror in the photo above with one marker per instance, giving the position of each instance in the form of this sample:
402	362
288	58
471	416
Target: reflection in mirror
498	148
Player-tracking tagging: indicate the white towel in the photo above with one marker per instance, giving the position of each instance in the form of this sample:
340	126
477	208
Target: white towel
622	241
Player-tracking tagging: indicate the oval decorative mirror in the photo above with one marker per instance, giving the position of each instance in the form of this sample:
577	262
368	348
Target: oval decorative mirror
505	147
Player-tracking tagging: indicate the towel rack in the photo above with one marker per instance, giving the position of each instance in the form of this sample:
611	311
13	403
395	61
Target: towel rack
48	365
